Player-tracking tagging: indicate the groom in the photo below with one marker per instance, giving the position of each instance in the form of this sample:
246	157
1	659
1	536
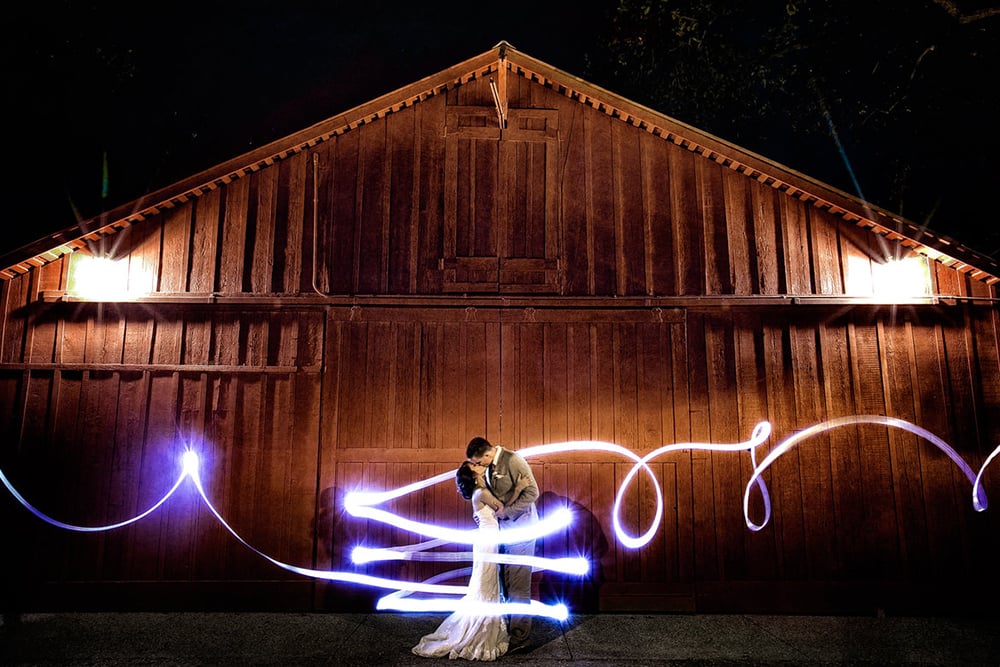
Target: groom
503	469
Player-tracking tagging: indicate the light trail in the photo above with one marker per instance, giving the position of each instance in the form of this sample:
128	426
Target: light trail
96	529
979	501
363	505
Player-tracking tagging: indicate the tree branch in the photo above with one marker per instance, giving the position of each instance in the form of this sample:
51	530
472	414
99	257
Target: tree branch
954	11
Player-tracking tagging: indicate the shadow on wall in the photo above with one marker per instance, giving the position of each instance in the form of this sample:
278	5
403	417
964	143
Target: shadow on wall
584	537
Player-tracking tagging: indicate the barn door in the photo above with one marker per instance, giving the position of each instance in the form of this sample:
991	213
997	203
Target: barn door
501	207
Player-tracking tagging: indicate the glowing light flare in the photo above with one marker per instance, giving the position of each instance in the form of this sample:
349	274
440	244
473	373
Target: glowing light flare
890	280
105	279
189	463
901	278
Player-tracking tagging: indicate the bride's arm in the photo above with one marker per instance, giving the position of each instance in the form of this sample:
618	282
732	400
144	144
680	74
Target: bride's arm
483	497
522	483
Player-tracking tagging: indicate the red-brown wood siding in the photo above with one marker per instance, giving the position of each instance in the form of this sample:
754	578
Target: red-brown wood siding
297	387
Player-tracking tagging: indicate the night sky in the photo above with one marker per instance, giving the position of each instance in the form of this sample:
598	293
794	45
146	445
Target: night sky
104	104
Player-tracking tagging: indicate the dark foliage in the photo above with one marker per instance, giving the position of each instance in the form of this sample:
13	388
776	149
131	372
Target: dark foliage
891	102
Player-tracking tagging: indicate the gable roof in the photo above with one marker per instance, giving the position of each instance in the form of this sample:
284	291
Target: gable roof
852	209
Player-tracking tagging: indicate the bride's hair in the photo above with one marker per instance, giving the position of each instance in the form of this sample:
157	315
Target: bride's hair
465	480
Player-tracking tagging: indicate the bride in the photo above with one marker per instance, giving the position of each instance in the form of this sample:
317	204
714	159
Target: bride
470	634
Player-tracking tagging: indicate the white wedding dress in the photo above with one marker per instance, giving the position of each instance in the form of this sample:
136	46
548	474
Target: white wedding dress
472	635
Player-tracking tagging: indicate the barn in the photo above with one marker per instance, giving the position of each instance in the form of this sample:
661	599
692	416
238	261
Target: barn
500	249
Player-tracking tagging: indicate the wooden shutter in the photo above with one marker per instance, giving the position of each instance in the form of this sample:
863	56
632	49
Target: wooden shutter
501	206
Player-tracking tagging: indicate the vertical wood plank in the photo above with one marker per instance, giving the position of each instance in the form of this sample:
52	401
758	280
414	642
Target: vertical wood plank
705	536
579	364
14	294
402	183
880	519
297	195
689	249
149	546
785	472
814	455
370	249
846	457
794	229
942	500
739	232
175	263
656	560
205	234
630	239
676	340
765	230
712	201
234	236
827	276
264	230
897	365
655	173
752	403
574	202
341	234
124	499
600	206
432	193
723	415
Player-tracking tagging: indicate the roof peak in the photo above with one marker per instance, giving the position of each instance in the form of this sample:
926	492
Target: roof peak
502	47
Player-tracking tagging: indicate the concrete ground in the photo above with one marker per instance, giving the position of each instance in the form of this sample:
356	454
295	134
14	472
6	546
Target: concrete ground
385	639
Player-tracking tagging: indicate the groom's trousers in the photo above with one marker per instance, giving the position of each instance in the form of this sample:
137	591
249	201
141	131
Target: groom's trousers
516	582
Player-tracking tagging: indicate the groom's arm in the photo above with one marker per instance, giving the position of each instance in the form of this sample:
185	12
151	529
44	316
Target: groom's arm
519	468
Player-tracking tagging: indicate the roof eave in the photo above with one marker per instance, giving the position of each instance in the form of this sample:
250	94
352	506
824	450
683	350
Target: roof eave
819	194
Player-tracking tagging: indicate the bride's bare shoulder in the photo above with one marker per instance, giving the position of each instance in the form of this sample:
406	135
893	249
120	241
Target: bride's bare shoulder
482	497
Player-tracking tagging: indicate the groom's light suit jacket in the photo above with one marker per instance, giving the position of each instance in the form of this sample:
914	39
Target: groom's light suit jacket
502	475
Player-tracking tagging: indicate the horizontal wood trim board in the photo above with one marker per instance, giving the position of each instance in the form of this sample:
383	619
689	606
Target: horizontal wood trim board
506	315
300	302
161	368
454	456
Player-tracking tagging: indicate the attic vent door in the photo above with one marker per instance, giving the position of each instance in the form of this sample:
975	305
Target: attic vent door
501	206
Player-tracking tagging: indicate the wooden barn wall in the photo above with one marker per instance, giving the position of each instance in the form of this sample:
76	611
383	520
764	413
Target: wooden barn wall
419	202
348	397
864	517
295	398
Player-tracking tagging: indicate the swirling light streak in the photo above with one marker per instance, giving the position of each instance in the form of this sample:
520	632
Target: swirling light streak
554	521
400	601
361	504
441	605
326	575
977	487
979	501
98	529
362	555
358	504
760	434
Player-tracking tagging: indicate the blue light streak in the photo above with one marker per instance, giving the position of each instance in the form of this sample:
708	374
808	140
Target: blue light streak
363	504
